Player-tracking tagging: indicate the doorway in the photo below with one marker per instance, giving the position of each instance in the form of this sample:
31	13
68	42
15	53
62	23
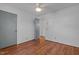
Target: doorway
37	27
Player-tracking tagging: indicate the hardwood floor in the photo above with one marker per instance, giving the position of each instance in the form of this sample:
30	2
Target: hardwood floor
32	48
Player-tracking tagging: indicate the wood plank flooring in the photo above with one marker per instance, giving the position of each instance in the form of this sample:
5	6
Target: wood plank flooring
32	48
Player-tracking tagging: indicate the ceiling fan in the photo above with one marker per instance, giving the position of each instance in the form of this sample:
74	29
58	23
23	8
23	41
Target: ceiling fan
40	7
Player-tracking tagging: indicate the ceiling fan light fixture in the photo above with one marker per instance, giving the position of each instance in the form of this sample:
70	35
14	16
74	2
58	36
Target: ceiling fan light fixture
38	9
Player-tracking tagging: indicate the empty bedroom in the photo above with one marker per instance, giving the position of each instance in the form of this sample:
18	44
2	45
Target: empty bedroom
39	28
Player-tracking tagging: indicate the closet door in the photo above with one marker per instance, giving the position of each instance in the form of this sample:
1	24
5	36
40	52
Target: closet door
8	29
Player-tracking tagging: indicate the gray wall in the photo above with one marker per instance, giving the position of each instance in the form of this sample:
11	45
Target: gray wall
8	29
62	26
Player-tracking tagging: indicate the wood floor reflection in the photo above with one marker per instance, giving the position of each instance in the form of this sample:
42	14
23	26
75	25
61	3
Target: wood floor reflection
32	48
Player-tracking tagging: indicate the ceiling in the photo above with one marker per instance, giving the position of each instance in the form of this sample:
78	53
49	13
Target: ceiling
47	7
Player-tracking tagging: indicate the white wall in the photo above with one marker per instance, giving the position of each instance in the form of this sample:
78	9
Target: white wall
63	26
25	27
